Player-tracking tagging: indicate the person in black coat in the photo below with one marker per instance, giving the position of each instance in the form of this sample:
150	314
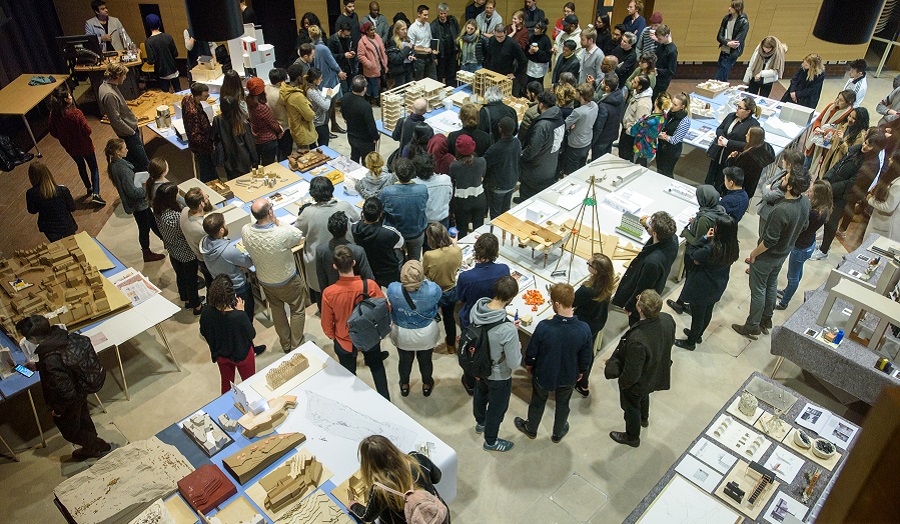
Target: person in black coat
627	56
731	40
755	157
538	57
592	306
357	112
666	60
610	109
228	331
643	363
348	16
470	116
492	111
567	62
446	29
650	268
711	259
806	84
731	136
52	204
533	15
503	55
343	49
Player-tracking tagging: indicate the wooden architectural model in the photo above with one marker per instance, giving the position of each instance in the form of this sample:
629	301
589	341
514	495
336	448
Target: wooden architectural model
7	363
529	234
297	477
205	433
268	420
54	280
157	513
397	102
221	188
279	375
351	489
303	162
315	509
250	461
206	488
144	106
520	105
485	78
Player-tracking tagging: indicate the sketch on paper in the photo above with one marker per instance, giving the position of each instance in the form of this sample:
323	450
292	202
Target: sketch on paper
719	459
783	505
342	421
682	503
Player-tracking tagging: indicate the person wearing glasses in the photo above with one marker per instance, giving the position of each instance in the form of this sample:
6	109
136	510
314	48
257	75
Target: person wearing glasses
731	136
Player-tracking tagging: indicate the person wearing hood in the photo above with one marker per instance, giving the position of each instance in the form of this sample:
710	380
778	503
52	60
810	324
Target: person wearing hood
753	160
671	140
414	328
766	66
376	179
540	152
491	398
639	105
338	225
301	116
439	149
313	223
732	34
651	266
381	243
695	232
610	110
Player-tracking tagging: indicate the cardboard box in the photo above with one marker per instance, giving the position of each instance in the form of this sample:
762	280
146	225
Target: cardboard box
795	113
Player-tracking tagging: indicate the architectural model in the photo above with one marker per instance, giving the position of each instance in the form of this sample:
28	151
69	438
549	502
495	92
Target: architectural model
250	461
144	107
157	513
279	375
240	511
228	423
485	78
54	280
631	226
863	300
7	363
520	105
124	483
748	487
315	509
530	234
205	433
351	489
221	188
683	191
398	102
748	404
206	488
268	420
303	162
289	483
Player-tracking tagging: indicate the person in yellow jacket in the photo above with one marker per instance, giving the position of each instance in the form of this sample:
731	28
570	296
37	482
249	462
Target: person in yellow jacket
299	110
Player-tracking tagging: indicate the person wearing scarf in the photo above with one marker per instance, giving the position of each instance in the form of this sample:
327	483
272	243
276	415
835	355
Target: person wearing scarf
766	66
471	46
833	115
695	232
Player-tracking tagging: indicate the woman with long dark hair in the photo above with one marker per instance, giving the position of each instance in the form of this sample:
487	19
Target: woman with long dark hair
233	86
592	306
604	34
387	474
308	20
133	196
820	208
539	53
850	133
228	331
233	138
731	136
320	105
68	125
53	204
755	157
184	262
712	258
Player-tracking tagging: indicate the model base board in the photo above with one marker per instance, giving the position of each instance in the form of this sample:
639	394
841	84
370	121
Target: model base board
747	483
315	509
260	491
251	460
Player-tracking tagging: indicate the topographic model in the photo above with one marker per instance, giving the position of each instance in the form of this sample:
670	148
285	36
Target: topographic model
250	461
268	420
206	488
315	509
157	513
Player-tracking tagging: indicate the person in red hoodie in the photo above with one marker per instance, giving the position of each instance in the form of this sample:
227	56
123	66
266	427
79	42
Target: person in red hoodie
338	301
68	125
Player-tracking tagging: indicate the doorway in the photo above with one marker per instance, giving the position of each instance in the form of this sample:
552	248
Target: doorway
279	25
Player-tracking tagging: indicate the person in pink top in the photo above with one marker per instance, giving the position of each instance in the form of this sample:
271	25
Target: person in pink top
263	124
373	59
68	125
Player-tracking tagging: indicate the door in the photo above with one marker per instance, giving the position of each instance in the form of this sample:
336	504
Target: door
279	25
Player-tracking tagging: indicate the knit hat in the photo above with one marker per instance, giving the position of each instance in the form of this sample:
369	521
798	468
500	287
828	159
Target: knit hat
465	146
255	86
365	27
570	19
412	274
655	18
152	21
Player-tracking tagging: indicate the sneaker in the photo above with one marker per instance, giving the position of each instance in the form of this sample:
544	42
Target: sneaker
780	294
752	334
582	391
522	425
687	333
840	234
479	428
498	445
818	255
97	199
780	307
676	307
557	438
622	438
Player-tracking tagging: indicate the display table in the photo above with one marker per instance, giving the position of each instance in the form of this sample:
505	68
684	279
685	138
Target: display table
849	367
791	489
95	73
18	98
329	439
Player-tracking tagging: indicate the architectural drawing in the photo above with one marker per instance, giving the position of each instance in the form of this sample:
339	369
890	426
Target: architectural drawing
342	421
683	503
712	454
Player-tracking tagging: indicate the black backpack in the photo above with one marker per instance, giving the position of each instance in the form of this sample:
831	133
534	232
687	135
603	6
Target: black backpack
474	350
78	356
370	320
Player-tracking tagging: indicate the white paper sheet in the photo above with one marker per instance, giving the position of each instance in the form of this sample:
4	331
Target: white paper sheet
785	464
699	473
683	503
782	505
711	453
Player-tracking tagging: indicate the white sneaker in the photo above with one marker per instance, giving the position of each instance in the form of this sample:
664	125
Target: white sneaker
818	255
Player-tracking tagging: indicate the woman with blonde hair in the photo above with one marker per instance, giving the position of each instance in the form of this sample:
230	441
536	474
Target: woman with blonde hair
388	473
647	129
376	179
806	85
133	196
400	55
471	47
766	66
756	157
517	30
592	305
53	204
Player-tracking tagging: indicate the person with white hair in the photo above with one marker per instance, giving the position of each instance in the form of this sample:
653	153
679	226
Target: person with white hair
493	110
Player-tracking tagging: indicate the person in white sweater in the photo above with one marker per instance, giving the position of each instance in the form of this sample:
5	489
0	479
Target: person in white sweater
269	244
857	81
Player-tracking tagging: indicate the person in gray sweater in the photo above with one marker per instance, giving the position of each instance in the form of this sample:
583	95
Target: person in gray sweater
580	124
121	118
133	196
789	218
222	257
491	398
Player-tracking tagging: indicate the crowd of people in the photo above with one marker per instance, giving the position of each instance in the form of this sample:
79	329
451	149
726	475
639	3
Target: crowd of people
609	88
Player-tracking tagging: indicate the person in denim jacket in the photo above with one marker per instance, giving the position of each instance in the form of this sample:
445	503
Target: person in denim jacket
414	330
405	205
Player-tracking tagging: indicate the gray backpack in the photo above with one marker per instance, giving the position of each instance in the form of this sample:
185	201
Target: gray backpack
370	320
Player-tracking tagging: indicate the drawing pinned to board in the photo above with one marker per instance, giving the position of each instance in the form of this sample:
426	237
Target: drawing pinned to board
343	421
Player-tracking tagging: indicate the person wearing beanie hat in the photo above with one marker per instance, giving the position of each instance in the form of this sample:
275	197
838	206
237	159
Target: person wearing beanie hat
647	40
263	124
467	172
161	52
414	329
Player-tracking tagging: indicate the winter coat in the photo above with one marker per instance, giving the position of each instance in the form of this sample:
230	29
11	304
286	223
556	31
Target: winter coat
59	355
739	33
639	106
645	132
648	270
489	118
54	214
300	115
325	271
706	281
885	216
736	138
846	175
382	246
540	153
646	356
237	151
610	112
753	162
372	57
807	91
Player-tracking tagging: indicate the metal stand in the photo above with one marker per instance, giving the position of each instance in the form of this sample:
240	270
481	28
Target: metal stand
28	127
102	407
122	370
590	201
887	51
37	420
169	348
11	452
